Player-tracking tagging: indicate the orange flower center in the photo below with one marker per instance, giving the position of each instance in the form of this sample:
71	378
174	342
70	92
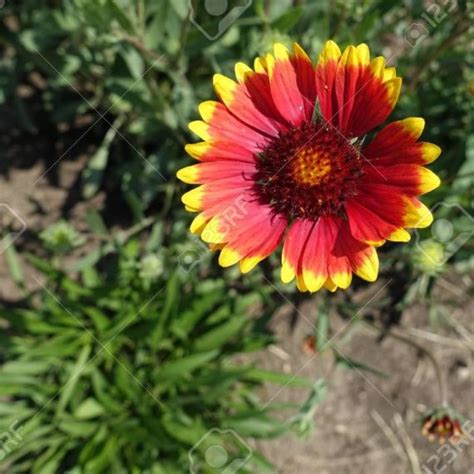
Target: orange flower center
311	166
308	172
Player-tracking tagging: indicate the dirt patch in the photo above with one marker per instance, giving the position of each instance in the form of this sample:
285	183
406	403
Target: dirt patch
39	184
370	423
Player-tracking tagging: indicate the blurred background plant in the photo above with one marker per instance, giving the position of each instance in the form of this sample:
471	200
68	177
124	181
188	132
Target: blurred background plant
125	354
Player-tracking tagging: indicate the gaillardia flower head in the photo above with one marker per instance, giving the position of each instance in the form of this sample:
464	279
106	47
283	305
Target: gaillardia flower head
442	424
283	157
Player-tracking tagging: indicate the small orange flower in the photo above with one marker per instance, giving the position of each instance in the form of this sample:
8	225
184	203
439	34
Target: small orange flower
283	157
442	425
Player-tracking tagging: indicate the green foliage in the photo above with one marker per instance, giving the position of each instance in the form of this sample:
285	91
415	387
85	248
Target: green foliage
117	373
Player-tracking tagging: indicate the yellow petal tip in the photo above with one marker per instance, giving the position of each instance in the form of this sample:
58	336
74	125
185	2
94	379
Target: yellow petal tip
400	235
429	181
224	87
369	269
249	263
430	152
414	126
188	175
193	198
280	51
197	150
206	109
198	224
228	257
200	128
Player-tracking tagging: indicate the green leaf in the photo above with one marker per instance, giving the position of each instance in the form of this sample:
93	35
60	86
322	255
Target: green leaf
101	388
467	169
322	327
26	367
182	325
76	371
105	457
89	408
121	16
134	61
49	461
289	380
288	20
188	433
175	369
93	173
171	303
94	444
348	363
127	383
100	320
218	336
79	429
303	422
255	424
96	223
11	259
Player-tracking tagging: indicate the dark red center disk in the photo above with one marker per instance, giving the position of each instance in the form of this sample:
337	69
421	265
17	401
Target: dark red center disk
308	172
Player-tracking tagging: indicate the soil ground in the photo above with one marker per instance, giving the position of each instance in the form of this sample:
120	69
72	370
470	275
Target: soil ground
369	423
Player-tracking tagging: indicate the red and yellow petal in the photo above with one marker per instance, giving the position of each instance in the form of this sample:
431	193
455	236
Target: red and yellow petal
248	239
325	254
260	65
194	199
347	75
360	258
219	151
365	263
250	99
429	151
349	255
198	224
293	248
380	212
409	179
397	143
215	170
304	70
417	215
292	102
215	194
371	225
399	134
393	176
220	125
256	85
314	266
374	101
355	95
230	217
325	78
